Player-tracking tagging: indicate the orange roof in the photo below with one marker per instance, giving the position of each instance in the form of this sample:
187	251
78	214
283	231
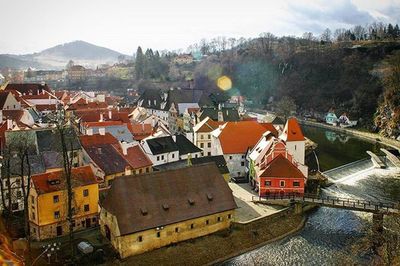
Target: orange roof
292	131
103	124
140	131
97	139
82	176
135	156
209	126
281	167
237	137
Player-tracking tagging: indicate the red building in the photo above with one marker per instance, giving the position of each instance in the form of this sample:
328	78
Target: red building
279	173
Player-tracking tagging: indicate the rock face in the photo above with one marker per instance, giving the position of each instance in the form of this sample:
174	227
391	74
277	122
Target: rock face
387	118
387	121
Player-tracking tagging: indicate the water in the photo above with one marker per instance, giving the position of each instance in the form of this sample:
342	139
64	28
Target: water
328	234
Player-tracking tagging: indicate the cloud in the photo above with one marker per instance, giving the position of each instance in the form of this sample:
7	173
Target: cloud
317	15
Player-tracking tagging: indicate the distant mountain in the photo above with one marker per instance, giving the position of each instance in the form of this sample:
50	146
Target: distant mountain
84	53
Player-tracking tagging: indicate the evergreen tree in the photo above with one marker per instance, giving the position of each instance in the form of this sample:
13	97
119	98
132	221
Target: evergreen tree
390	31
396	31
139	63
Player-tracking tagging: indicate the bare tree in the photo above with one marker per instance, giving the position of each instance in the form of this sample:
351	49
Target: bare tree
359	32
326	36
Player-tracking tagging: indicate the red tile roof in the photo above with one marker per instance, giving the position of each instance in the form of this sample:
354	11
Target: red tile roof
27	88
292	131
281	167
82	104
90	115
135	156
46	107
140	131
103	124
81	176
209	126
97	139
237	137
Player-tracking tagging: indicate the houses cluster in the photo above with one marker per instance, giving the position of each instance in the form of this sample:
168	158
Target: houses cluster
342	121
151	175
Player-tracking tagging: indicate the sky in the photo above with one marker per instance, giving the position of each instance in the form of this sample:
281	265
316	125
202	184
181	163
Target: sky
33	25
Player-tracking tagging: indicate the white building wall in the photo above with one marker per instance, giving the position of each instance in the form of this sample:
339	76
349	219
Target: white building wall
297	149
236	164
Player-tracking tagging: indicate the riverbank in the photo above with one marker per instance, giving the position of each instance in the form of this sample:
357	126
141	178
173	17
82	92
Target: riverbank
223	245
372	137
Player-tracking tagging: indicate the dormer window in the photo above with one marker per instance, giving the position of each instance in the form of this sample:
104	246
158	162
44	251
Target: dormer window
209	196
191	201
143	210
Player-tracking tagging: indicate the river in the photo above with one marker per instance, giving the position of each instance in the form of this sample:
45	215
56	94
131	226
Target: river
329	234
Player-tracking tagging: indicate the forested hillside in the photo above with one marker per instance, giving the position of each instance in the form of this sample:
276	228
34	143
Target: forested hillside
345	73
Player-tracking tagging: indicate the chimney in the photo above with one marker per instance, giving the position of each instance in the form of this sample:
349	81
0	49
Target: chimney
101	117
109	114
220	116
89	131
124	147
9	124
102	131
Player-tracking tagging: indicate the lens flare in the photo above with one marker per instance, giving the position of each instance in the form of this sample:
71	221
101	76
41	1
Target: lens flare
224	83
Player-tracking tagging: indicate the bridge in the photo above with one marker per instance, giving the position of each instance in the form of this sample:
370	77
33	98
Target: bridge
333	202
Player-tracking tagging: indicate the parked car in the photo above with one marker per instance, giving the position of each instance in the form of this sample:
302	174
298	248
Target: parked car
85	247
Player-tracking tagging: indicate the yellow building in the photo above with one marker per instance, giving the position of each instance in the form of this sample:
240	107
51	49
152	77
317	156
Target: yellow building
149	211
48	203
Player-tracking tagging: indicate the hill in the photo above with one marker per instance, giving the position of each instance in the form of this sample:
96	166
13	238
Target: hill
80	52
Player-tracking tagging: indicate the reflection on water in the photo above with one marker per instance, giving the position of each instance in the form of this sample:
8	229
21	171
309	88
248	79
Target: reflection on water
335	149
329	233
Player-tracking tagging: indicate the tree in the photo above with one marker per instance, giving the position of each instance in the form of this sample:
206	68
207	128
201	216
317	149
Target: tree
139	64
359	32
326	36
70	64
286	107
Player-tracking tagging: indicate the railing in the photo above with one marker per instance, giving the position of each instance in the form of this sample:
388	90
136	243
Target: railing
345	203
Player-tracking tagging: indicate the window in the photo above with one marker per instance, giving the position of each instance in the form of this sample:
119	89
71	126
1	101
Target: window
201	136
86	207
57	215
147	169
32	199
229	216
207	222
140	238
162	157
56	198
158	234
191	226
281	183
202	145
209	153
209	136
267	183
176	229
295	147
209	145
94	219
158	158
296	183
242	156
219	219
230	157
140	171
173	155
33	216
86	192
242	163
